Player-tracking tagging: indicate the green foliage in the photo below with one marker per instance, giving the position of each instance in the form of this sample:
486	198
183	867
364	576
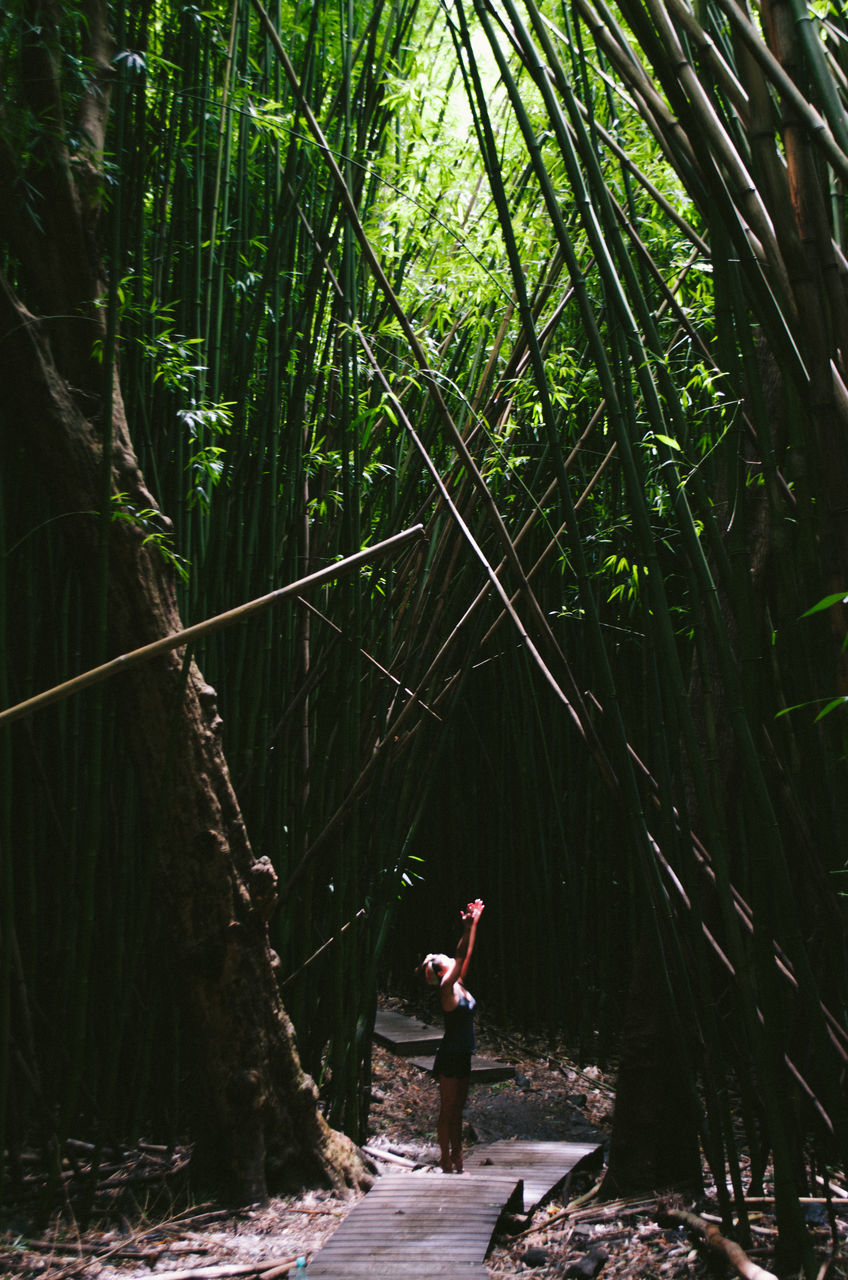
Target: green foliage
149	521
837	597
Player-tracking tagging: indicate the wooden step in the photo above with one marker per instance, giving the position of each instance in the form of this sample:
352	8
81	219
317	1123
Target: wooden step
483	1070
544	1167
405	1036
395	1269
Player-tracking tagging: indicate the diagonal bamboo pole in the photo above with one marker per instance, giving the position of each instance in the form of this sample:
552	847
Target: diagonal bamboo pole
221	620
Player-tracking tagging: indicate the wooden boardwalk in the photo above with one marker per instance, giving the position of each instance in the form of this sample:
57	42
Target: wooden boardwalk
413	1224
426	1223
432	1224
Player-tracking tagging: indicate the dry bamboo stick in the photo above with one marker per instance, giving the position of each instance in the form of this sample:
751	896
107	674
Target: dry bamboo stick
266	1270
732	1253
326	1213
322	948
389	1158
575	1212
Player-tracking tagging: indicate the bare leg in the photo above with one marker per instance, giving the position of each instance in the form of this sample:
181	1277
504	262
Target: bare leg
452	1099
456	1126
452	1093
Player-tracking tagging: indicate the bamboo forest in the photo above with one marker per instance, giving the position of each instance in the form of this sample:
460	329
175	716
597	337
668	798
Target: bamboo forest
423	475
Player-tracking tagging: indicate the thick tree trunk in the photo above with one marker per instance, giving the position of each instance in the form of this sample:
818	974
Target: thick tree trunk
256	1115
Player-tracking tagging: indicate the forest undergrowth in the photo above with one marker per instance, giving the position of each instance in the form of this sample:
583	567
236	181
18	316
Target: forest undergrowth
145	1222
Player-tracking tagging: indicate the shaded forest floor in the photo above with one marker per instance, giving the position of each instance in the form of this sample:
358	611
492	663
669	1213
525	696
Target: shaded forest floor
550	1098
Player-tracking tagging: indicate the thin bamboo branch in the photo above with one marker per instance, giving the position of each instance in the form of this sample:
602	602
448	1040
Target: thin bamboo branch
370	658
315	954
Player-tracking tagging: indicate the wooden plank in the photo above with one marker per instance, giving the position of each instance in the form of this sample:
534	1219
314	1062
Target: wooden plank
434	1219
482	1069
542	1165
406	1035
396	1269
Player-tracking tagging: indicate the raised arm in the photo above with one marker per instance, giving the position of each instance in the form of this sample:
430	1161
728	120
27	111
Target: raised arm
465	946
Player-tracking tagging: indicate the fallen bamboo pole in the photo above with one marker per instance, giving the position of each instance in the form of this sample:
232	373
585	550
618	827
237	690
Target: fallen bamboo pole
218	623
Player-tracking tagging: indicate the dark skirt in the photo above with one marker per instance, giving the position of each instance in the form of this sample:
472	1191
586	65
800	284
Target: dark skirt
455	1065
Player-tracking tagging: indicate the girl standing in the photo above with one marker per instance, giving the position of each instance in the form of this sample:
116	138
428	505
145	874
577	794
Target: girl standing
452	1065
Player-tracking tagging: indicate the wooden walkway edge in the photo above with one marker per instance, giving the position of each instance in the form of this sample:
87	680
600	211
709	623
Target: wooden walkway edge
542	1167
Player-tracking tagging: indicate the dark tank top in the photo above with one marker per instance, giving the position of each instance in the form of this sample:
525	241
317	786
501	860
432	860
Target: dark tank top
459	1027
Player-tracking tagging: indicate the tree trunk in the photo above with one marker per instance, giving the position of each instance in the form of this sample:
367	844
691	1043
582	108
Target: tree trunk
256	1114
655	1131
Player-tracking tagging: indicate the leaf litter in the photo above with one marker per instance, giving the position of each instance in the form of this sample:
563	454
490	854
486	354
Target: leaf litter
577	1236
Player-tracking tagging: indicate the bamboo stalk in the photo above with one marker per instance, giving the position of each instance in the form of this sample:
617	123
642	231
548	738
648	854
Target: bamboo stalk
189	634
820	134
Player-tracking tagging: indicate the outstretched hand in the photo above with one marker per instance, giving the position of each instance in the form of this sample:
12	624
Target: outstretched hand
472	912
